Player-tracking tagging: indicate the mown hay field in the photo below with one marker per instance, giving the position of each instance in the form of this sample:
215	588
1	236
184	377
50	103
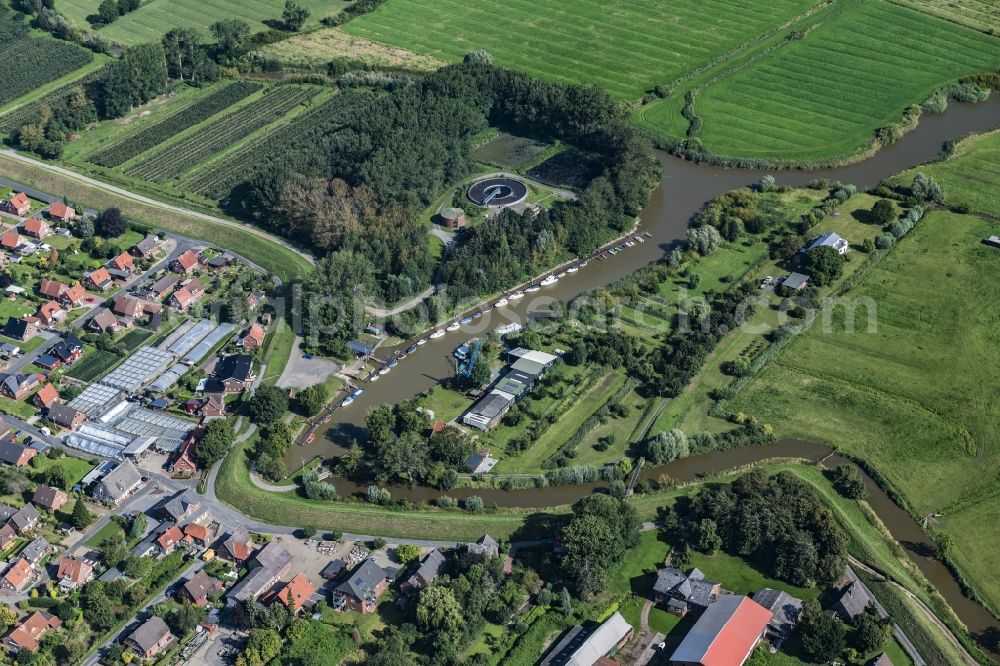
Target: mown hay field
979	14
155	17
825	95
627	48
917	397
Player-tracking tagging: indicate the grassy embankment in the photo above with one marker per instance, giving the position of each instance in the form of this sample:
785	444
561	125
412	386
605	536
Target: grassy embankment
835	69
916	397
631	47
155	17
275	258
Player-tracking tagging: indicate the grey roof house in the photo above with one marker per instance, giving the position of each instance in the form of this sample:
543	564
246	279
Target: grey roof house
486	545
428	570
25	519
151	637
119	483
36	550
785	609
684	590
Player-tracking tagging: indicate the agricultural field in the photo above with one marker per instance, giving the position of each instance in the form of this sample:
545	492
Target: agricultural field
31	62
825	95
627	48
220	134
935	317
979	14
152	136
316	48
971	177
155	17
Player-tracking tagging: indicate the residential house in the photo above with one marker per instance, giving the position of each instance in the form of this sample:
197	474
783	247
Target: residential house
186	464
196	534
104	322
46	396
35	551
66	416
25	520
190	293
163	287
48	497
10	240
252	338
19	204
725	634
237	548
852	599
74	295
168	540
17	577
486	546
481	463
52	288
681	592
150	638
785	612
20	329
123	263
27	634
127	306
255	299
272	564
51	313
100	279
218	261
182	505
14	454
197	589
118	484
73	573
425	574
795	282
186	262
360	592
8	535
273	556
36	227
146	248
582	646
829	239
490	410
60	212
235	372
296	593
64	352
213	404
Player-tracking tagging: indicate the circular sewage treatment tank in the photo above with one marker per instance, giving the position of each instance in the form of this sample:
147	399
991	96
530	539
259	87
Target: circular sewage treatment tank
497	192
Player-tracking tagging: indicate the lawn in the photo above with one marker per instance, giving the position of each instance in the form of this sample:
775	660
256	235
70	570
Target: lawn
927	416
77	467
279	349
971	177
316	48
824	96
626	48
22	409
155	17
248	242
740	577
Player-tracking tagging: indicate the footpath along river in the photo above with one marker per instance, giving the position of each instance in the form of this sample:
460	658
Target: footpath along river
683	190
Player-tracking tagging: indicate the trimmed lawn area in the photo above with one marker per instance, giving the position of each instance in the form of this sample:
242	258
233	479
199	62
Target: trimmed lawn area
110	531
630	47
280	341
740	577
22	409
936	318
77	467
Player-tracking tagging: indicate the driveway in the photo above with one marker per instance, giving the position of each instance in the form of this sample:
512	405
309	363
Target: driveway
301	373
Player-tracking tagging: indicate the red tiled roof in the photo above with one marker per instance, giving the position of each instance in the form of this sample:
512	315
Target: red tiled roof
196	531
75	294
123	261
47	395
128	307
19	574
10	239
35	225
47	311
27	633
52	288
20	200
61	210
77	571
188	260
100	276
296	592
170	538
256	333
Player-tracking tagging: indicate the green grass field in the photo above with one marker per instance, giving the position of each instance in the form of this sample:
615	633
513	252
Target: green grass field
825	95
927	418
971	177
155	17
979	14
627	48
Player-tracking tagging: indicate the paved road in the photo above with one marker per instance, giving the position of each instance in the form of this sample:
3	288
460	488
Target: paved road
401	307
152	202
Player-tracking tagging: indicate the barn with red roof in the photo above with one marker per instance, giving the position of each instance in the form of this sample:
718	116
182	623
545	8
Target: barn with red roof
725	634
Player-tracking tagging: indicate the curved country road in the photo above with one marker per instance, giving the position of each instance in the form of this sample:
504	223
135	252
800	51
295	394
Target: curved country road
155	203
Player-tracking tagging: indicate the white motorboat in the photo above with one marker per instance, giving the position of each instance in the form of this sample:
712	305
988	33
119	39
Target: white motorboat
532	289
502	302
550	280
437	334
454	326
516	295
573	269
422	341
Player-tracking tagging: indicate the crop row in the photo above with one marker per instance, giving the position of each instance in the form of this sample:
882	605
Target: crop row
26	64
154	135
27	113
220	134
306	130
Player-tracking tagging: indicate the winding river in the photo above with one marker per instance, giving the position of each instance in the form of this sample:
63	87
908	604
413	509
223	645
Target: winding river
685	187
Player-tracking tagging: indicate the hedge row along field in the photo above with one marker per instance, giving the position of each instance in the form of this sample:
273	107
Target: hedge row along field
28	63
979	14
217	180
627	48
155	17
852	75
154	135
218	135
26	113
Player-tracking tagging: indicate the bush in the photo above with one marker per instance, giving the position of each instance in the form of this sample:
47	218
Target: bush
473	504
885	241
307	532
445	502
